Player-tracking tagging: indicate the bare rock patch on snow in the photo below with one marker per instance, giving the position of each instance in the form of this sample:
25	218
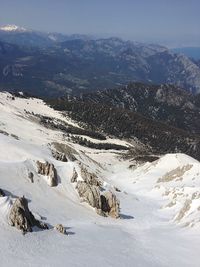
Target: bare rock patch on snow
110	204
175	174
22	218
2	194
65	149
74	176
90	194
61	229
90	178
59	156
105	203
48	170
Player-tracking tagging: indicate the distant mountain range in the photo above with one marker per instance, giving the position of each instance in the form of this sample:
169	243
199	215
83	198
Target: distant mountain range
26	37
53	64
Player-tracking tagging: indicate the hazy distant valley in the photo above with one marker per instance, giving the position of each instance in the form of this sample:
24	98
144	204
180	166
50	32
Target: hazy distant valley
52	65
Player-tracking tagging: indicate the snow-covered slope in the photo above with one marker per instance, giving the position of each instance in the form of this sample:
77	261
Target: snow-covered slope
174	181
149	232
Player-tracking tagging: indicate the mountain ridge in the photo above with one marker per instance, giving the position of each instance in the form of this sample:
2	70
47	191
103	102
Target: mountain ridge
80	64
166	103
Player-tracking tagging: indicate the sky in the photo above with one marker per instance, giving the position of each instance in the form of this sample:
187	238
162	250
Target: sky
173	23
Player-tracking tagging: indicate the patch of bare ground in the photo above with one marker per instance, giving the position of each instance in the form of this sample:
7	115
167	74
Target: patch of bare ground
175	174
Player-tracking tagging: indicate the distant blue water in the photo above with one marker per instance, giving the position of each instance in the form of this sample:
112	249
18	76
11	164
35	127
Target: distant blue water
192	52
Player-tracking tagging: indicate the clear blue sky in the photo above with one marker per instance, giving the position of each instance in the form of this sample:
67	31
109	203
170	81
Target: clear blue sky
170	22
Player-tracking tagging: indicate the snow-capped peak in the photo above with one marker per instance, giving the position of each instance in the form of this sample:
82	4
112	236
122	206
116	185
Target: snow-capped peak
12	28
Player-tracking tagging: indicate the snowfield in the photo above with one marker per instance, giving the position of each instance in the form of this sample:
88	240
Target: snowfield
160	201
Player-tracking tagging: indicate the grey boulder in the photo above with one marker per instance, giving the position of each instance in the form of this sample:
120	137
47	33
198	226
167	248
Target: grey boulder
22	218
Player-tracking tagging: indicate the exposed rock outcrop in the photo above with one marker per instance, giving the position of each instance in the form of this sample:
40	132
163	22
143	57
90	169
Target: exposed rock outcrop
65	149
2	194
89	193
74	176
90	178
59	156
30	176
22	218
117	189
110	204
4	132
106	204
60	228
49	170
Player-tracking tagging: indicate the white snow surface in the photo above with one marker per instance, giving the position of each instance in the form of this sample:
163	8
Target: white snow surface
154	230
12	28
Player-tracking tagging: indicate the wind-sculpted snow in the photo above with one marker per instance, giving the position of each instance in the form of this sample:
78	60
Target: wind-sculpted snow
149	231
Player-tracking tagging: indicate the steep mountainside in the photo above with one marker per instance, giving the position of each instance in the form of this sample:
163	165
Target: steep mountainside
122	123
83	64
166	103
102	209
